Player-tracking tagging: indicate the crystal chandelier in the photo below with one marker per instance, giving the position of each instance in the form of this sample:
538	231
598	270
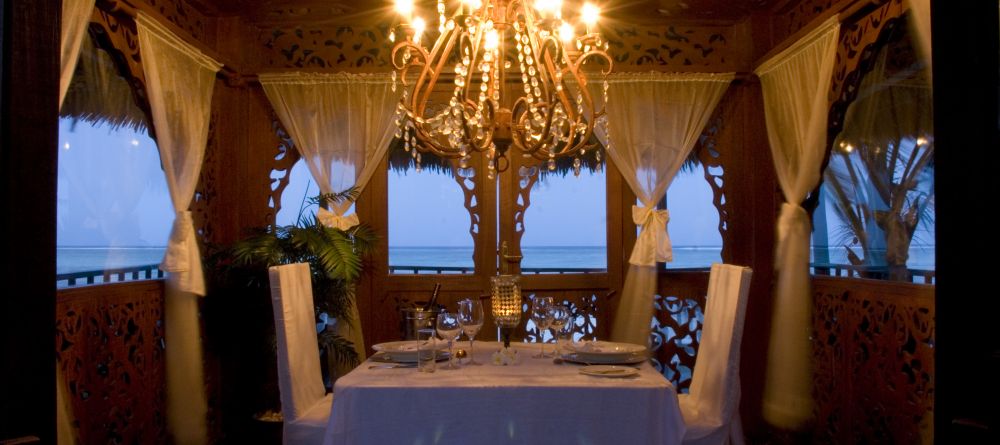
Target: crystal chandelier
529	92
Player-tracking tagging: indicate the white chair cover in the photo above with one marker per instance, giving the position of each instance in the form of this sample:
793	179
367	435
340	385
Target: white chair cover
304	404
711	409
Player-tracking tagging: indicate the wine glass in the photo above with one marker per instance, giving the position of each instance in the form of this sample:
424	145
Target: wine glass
561	317
540	315
449	329
470	316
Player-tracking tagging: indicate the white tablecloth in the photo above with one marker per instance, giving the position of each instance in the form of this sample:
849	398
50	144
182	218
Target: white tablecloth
533	402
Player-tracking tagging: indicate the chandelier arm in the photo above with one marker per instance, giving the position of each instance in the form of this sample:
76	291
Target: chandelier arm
442	59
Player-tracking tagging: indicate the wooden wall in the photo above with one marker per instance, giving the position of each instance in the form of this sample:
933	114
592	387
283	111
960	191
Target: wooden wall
248	160
28	136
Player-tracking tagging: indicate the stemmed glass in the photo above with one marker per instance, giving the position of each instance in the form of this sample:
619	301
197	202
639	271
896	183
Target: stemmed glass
449	329
562	322
540	315
470	316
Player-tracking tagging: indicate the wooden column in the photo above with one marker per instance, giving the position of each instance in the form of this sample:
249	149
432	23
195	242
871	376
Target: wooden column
28	136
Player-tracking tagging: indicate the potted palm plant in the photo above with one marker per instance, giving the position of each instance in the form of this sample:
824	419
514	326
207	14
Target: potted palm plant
244	324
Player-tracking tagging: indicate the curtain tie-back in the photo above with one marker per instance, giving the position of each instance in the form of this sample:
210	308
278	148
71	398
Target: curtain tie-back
793	222
179	247
653	244
331	219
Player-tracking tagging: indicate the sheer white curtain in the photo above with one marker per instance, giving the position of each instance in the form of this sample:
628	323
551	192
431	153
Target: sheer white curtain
342	125
75	21
795	84
654	120
179	81
920	20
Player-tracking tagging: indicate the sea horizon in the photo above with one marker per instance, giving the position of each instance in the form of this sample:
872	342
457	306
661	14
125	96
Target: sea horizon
71	259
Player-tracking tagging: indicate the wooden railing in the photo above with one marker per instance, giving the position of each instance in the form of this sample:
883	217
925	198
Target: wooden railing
103	276
463	270
922	276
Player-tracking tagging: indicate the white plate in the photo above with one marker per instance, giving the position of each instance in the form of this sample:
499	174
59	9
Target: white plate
404	351
385	357
606	350
609	371
609	360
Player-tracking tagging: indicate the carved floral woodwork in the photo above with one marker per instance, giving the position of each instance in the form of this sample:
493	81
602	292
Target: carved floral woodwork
110	349
873	358
857	48
673	48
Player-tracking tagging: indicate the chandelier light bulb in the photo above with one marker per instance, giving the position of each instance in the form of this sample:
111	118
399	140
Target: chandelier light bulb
419	25
589	15
405	8
492	40
566	32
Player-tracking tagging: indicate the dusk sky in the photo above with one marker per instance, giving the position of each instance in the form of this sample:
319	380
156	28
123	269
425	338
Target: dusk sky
112	193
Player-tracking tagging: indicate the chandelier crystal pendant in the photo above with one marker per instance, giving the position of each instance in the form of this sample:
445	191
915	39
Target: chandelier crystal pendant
513	69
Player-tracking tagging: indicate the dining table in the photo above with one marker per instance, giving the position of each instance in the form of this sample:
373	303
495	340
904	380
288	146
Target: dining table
534	401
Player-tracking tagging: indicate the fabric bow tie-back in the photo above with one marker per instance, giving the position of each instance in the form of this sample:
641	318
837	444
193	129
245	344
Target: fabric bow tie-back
653	243
793	222
331	219
177	257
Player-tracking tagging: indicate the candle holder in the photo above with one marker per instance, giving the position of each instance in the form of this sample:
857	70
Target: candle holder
506	300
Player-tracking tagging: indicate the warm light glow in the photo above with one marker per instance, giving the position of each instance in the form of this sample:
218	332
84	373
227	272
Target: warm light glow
566	32
548	6
405	8
473	4
494	104
492	40
848	148
921	141
419	25
589	14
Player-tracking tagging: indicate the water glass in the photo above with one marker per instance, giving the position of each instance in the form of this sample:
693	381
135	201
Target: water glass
540	315
426	350
449	329
562	324
470	316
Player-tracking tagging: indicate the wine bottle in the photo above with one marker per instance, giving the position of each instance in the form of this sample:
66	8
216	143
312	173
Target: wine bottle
434	297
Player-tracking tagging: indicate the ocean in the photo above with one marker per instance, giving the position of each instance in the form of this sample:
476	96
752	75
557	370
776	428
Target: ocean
80	259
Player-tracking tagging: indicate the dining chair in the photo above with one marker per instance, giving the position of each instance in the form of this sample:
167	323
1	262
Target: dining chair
304	402
711	410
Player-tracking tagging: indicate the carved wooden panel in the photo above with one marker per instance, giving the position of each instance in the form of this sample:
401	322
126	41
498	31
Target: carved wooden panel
466	179
873	361
208	182
325	47
857	47
181	14
799	15
582	304
284	159
109	342
673	47
713	156
677	322
116	34
368	47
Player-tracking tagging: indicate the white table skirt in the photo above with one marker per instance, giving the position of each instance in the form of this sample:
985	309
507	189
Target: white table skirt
533	402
